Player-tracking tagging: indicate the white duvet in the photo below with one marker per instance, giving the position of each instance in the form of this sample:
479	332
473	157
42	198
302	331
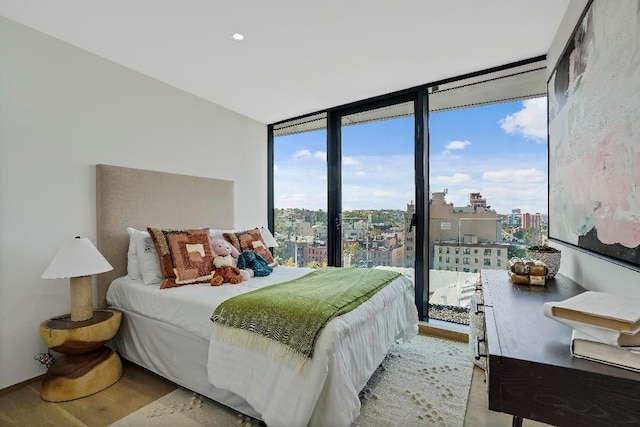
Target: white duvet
348	350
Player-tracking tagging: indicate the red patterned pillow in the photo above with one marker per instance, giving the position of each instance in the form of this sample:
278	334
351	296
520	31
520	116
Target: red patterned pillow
185	256
250	239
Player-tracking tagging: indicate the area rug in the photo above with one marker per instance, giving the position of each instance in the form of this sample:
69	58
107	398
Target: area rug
424	382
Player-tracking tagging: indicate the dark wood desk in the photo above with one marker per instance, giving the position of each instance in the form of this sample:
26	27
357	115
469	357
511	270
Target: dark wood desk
530	371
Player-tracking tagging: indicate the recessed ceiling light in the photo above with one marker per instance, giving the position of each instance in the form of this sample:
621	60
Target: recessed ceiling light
237	37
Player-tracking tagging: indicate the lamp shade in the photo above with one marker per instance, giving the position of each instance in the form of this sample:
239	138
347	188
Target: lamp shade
268	238
77	257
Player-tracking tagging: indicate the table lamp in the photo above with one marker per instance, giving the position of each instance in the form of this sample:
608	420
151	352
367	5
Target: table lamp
268	238
77	260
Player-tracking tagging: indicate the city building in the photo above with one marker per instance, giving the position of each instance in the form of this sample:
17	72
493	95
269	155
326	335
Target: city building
467	238
514	219
409	250
447	222
469	257
531	220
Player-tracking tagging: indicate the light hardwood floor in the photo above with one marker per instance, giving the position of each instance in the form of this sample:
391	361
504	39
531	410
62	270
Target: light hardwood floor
22	406
138	387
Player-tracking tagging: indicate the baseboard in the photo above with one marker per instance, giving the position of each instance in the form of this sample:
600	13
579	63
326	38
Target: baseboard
443	330
21	384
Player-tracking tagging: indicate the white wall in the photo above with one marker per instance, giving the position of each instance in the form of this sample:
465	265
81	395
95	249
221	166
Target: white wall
62	111
592	272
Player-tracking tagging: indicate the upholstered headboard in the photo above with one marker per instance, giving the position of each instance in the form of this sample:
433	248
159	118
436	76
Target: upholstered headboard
137	198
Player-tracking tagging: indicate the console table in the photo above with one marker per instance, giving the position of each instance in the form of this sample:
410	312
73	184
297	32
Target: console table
530	371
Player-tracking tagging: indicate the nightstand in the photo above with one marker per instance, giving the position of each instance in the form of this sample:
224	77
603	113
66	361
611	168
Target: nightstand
87	366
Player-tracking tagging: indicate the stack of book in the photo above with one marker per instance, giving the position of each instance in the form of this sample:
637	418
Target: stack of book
606	327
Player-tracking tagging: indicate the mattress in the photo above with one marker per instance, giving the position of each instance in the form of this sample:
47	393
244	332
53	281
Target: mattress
348	350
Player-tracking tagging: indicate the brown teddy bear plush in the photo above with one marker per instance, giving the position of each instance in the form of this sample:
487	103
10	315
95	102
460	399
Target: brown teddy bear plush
226	274
224	270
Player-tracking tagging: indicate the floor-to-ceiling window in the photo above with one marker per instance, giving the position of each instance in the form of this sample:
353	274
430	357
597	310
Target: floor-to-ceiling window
488	169
376	149
375	181
378	190
487	178
300	192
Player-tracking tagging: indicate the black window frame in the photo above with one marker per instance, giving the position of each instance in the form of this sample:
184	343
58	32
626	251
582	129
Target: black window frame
419	95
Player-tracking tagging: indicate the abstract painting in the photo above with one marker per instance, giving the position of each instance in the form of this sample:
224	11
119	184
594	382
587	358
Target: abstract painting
594	134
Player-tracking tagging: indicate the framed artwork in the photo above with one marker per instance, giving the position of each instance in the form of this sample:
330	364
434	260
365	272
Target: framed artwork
594	134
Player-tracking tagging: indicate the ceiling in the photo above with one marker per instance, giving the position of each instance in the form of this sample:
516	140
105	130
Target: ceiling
298	56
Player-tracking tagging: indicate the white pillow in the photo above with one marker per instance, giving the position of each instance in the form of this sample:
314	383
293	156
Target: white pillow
147	258
133	265
218	233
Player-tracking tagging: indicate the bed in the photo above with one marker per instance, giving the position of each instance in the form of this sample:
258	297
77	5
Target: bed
169	331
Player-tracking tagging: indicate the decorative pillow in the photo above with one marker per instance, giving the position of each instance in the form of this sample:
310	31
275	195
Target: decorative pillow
267	237
147	258
133	264
185	256
250	239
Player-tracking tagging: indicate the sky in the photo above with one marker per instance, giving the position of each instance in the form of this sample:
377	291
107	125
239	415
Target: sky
498	150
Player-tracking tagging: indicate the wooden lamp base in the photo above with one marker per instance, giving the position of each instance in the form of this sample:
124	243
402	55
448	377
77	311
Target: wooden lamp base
81	298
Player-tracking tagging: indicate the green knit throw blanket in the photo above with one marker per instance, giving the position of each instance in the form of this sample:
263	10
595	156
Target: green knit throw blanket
285	320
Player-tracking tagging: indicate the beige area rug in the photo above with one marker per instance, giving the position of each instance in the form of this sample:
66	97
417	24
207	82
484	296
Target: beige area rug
422	383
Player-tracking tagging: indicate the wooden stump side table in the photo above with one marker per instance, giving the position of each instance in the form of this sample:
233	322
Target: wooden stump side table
87	366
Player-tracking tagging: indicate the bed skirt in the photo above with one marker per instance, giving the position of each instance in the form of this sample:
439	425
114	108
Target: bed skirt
183	356
358	341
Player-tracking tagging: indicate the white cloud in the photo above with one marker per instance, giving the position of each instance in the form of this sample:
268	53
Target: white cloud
293	197
350	161
531	197
455	145
302	200
515	175
385	194
306	154
459	196
386	171
302	154
455	179
530	122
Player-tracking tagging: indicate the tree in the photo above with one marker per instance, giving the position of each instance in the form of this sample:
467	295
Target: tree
289	263
280	253
355	252
316	264
532	236
319	218
514	251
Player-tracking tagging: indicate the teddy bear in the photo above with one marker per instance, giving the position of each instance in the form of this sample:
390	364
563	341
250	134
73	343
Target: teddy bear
224	264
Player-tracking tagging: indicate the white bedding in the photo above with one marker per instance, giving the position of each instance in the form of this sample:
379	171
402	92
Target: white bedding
169	305
348	350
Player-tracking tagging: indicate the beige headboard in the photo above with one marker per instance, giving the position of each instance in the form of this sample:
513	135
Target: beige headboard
127	197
